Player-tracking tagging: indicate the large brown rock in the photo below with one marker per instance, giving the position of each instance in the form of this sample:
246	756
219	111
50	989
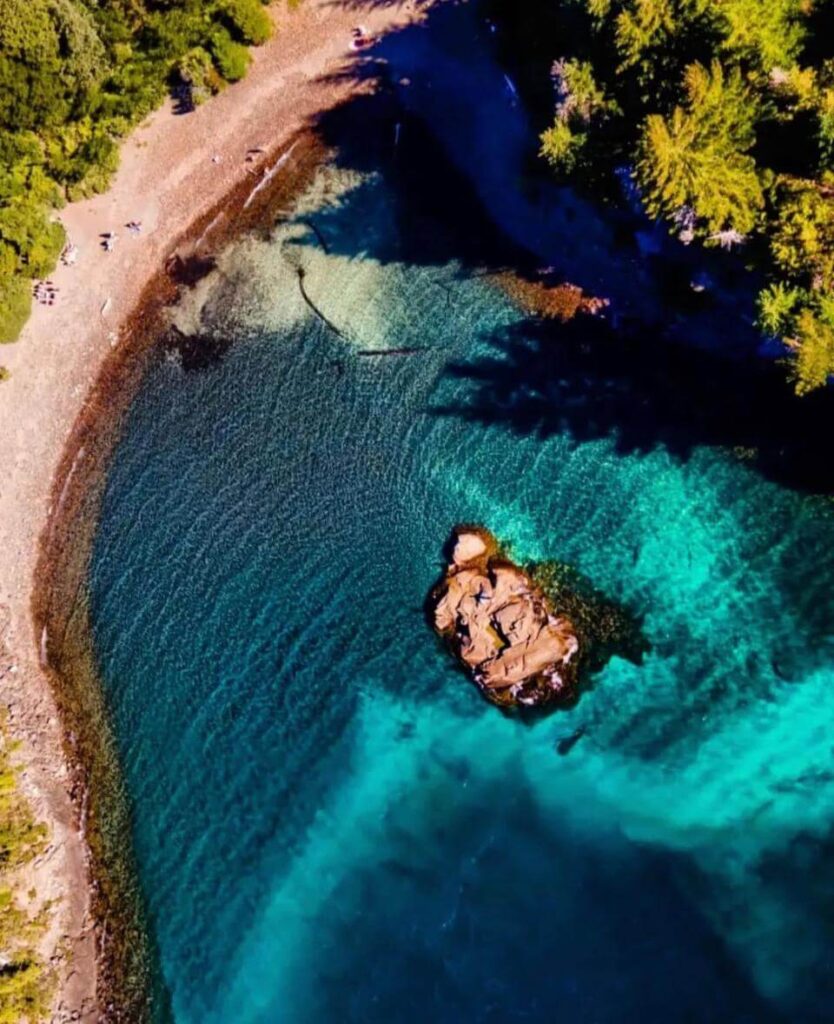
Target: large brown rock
517	648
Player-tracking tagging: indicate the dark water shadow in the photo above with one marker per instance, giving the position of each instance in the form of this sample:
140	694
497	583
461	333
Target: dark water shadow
627	378
195	351
438	217
454	927
451	72
190	270
588	381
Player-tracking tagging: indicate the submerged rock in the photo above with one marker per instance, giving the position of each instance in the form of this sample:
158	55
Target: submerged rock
501	625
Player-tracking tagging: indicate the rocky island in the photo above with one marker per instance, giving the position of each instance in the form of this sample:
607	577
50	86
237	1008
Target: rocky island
500	624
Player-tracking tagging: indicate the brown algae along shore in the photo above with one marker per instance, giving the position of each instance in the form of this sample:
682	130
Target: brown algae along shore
60	608
77	363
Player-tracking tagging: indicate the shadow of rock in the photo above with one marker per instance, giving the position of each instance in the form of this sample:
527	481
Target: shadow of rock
195	351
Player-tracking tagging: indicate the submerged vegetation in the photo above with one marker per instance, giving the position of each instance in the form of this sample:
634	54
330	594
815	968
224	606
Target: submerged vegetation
25	981
604	627
75	76
723	113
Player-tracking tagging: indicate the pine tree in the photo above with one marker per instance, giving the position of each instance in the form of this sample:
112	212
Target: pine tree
698	157
815	352
768	33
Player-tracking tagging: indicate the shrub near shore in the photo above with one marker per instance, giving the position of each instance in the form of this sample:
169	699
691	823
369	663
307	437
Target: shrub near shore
25	980
75	76
722	113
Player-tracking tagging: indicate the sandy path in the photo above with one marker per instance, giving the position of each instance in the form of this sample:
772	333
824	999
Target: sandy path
167	179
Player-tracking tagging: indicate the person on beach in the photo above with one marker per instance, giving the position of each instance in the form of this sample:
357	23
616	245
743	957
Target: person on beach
361	40
45	293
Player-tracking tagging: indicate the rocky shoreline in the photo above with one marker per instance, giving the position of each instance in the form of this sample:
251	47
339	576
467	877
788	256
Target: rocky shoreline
518	648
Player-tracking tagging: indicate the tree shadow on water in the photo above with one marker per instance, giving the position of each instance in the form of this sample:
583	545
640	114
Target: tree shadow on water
634	384
435	216
588	381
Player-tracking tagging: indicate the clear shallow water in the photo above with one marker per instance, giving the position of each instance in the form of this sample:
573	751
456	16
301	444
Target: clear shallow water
330	824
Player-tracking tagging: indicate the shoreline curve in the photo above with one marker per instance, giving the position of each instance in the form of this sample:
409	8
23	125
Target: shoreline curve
72	376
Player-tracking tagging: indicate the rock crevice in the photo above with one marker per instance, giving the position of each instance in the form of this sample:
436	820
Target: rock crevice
518	649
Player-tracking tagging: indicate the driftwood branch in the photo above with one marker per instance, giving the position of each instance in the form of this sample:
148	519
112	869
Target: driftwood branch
328	323
413	351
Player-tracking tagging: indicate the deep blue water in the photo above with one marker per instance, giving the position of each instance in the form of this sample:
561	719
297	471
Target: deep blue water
330	824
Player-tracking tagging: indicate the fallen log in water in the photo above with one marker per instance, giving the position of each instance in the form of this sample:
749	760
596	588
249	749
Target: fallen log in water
412	351
328	323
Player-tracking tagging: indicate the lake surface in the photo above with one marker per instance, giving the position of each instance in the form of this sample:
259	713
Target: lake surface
330	823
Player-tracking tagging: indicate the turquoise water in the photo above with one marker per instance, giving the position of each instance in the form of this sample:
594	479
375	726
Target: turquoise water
330	823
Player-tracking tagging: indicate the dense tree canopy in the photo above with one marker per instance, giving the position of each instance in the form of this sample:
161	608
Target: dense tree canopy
724	112
698	156
75	75
51	58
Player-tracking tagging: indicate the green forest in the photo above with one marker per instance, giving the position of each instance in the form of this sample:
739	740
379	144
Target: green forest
75	76
723	113
722	110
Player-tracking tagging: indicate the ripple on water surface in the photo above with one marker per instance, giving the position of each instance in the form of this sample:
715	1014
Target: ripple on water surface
330	823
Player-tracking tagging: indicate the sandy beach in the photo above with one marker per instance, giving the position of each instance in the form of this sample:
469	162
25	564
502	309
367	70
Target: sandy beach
174	171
